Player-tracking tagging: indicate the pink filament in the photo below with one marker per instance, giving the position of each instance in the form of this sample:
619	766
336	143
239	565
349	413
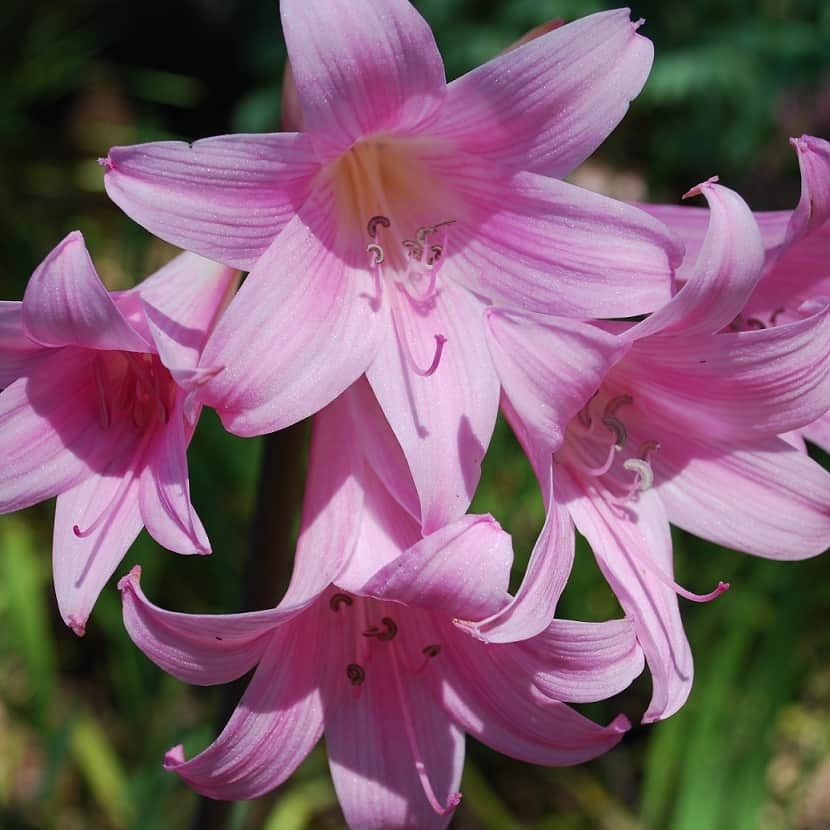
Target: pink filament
653	569
440	340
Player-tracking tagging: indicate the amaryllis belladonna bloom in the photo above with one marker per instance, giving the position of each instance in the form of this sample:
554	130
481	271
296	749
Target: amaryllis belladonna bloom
95	410
683	428
375	236
373	658
797	255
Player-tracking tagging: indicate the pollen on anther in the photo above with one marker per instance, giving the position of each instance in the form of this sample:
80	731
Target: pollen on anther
339	599
356	674
374	223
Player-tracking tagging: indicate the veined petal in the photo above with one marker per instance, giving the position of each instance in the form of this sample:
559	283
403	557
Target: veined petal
532	609
82	565
462	569
66	304
164	492
505	709
547	105
50	434
765	498
386	737
548	368
205	649
17	351
819	432
577	661
734	386
628	545
299	331
332	506
443	421
727	270
361	67
813	208
225	198
538	244
276	724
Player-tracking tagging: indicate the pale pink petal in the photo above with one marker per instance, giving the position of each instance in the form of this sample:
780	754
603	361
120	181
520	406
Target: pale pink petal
82	565
164	492
726	271
225	197
548	368
276	724
361	67
332	505
376	740
736	385
630	542
547	105
51	435
299	331
66	304
508	712
17	351
813	208
443	421
819	432
577	661
380	447
205	649
532	609
181	304
538	244
462	569
765	498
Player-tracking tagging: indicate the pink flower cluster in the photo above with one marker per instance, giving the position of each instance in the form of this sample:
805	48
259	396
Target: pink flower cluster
416	263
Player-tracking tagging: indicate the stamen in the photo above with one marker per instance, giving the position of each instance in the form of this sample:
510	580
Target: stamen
650	567
356	674
422	302
384	634
374	223
773	320
602	469
431	651
339	599
104	415
377	253
440	340
753	323
642	469
420	767
610	419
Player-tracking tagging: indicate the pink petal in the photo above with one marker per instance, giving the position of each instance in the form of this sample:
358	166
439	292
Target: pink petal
813	209
299	332
50	433
66	304
82	566
376	740
164	493
17	351
727	270
819	432
547	105
624	542
577	661
443	421
332	505
225	197
538	244
508	712
549	368
462	569
736	385
361	67
276	724
204	649
764	498
532	609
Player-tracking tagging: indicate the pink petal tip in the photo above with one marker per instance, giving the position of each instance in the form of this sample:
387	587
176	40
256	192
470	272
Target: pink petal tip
699	188
77	625
174	757
133	576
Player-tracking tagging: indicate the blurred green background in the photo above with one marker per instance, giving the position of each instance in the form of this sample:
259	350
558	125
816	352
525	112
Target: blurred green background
84	723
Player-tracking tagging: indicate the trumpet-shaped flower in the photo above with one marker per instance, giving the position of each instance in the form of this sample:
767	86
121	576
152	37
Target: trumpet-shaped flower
373	659
683	428
376	236
95	410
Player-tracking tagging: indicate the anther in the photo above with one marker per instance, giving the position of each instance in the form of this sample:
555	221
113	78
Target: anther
415	249
432	650
356	674
642	469
377	253
773	320
374	223
339	599
610	419
754	324
388	632
435	252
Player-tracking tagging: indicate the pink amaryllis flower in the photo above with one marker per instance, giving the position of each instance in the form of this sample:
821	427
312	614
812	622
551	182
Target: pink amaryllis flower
375	236
683	428
372	658
796	255
94	409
